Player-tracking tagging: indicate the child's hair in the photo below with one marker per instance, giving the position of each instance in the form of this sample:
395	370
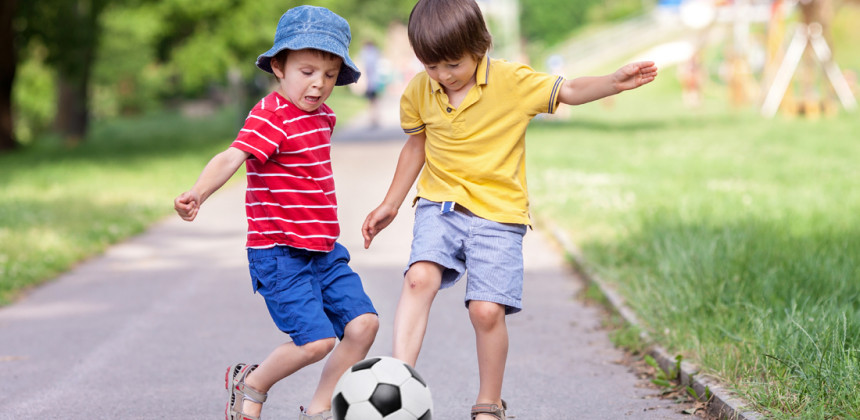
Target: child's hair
281	56
441	30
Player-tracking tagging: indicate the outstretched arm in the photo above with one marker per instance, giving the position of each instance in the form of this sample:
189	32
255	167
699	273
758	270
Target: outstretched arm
214	175
408	167
586	89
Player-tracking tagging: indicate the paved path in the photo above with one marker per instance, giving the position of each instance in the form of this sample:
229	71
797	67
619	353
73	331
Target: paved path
147	329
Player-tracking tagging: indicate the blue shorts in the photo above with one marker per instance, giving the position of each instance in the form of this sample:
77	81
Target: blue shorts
491	252
311	295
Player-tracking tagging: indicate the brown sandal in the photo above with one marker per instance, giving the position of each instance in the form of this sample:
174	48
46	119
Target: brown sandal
491	409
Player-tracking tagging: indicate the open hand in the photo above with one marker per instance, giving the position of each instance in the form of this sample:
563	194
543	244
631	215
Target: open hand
634	75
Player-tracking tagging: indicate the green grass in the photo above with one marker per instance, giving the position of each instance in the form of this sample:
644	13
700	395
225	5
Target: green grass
61	205
735	238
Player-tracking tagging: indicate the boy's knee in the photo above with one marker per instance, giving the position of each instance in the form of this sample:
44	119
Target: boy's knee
423	275
363	328
486	314
317	350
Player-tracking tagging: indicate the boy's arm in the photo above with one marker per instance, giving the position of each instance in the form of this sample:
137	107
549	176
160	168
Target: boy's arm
408	167
586	89
213	176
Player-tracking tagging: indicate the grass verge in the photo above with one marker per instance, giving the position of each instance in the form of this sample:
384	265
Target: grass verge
733	237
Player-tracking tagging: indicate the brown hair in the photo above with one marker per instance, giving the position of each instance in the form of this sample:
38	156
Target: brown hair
442	30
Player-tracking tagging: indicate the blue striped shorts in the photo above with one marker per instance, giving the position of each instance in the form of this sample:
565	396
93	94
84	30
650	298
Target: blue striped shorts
489	253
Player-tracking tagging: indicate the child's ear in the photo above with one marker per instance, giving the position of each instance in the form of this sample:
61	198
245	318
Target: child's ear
279	63
277	67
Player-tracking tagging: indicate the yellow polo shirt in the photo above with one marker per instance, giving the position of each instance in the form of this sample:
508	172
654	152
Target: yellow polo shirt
475	153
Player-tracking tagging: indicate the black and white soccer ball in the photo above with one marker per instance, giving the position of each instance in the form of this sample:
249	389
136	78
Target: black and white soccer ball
381	388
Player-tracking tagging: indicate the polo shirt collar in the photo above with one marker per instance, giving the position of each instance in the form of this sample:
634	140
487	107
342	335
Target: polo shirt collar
482	74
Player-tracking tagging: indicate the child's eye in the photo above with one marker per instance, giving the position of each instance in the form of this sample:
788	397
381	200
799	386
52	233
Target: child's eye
307	73
331	76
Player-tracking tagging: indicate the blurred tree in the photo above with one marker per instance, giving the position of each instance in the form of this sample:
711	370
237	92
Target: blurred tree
69	30
550	21
128	80
378	13
132	54
609	10
7	74
203	41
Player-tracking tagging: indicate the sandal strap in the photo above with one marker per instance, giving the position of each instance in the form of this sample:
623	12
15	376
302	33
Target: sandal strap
251	393
247	390
491	409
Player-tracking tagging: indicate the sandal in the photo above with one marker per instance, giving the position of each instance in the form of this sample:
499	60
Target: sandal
491	409
325	415
234	380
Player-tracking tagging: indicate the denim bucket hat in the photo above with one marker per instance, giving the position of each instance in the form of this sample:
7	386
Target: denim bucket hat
313	27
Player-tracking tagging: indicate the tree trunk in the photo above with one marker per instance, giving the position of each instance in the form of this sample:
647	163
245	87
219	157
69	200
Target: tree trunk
72	115
8	61
74	62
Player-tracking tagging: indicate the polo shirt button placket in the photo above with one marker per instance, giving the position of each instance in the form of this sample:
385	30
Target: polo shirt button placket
449	109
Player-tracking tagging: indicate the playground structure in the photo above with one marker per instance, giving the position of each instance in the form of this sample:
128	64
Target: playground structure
775	52
809	46
788	66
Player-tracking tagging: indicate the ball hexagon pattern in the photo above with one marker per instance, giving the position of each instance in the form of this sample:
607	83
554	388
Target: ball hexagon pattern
381	388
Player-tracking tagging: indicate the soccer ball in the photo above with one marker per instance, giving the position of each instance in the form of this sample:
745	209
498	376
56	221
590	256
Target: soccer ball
381	388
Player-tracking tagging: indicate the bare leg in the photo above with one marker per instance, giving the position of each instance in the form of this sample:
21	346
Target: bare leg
358	336
491	337
285	360
420	286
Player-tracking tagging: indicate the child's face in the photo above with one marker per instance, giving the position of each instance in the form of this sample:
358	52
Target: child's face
306	78
455	75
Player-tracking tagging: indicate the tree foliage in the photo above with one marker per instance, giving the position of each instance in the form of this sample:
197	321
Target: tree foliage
203	43
551	20
102	57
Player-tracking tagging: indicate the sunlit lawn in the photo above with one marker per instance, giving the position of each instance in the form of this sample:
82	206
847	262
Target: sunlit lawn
735	238
59	205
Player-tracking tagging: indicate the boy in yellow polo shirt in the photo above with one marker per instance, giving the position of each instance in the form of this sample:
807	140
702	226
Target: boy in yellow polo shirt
466	118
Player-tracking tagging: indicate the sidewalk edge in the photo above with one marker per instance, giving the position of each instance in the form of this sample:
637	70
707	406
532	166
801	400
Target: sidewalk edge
722	404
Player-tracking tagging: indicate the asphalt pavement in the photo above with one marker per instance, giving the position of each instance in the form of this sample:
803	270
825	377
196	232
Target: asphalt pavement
147	329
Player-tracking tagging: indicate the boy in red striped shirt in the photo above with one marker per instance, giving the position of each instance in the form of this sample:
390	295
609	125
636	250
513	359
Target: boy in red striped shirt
295	262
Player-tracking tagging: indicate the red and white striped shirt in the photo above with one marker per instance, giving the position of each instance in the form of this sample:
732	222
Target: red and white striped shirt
290	199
